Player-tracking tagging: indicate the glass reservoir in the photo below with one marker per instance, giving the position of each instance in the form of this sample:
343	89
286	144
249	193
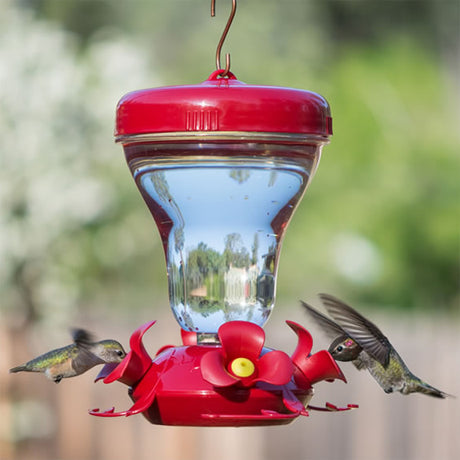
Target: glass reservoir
222	213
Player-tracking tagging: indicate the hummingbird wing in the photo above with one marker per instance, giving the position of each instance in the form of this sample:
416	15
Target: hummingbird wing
83	360
361	330
84	357
331	328
82	338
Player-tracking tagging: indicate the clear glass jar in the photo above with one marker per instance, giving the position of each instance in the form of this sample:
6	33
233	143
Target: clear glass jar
222	207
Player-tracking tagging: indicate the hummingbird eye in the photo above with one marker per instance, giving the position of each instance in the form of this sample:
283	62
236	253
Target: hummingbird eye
120	353
339	348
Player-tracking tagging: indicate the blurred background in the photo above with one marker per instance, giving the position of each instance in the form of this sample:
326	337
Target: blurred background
379	226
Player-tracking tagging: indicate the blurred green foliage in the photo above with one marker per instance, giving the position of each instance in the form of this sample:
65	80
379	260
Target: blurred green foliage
389	178
380	222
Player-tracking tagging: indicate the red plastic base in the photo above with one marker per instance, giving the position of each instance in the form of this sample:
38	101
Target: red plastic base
194	385
183	397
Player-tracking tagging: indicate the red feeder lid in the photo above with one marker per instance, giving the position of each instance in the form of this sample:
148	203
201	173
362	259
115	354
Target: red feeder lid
222	105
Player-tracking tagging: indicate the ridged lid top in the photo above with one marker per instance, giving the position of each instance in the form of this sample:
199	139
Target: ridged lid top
222	104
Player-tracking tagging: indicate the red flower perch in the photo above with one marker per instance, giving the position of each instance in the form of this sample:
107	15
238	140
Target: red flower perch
239	360
237	383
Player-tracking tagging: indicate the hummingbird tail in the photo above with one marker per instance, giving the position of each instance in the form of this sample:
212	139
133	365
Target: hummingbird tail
18	369
431	391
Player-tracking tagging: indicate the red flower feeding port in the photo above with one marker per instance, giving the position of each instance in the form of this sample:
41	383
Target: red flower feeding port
222	166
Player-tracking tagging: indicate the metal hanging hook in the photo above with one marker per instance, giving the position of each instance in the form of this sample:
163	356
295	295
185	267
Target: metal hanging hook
222	38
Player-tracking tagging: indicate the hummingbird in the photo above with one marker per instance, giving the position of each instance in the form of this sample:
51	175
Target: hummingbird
360	341
75	359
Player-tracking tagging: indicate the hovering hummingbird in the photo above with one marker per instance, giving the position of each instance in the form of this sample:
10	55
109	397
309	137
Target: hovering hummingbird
360	341
75	359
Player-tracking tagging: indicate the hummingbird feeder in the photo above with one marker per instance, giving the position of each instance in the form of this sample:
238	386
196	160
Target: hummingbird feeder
222	166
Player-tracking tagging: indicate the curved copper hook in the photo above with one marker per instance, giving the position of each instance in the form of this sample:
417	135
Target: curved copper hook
222	38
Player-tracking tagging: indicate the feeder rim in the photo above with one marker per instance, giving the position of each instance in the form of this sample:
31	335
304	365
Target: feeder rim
224	136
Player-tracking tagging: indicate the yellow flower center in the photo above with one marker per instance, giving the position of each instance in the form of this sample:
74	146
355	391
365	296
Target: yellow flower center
242	367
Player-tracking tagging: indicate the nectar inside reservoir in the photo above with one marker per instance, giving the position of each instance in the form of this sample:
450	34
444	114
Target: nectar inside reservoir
221	218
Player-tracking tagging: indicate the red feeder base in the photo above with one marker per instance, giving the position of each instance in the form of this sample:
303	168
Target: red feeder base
237	383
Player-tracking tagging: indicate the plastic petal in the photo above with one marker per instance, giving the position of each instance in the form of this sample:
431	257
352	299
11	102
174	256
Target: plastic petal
136	362
135	342
333	408
304	344
107	413
213	370
292	403
144	402
164	348
241	339
321	366
275	367
140	405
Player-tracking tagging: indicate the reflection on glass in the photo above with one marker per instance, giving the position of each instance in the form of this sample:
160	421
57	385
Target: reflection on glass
221	221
